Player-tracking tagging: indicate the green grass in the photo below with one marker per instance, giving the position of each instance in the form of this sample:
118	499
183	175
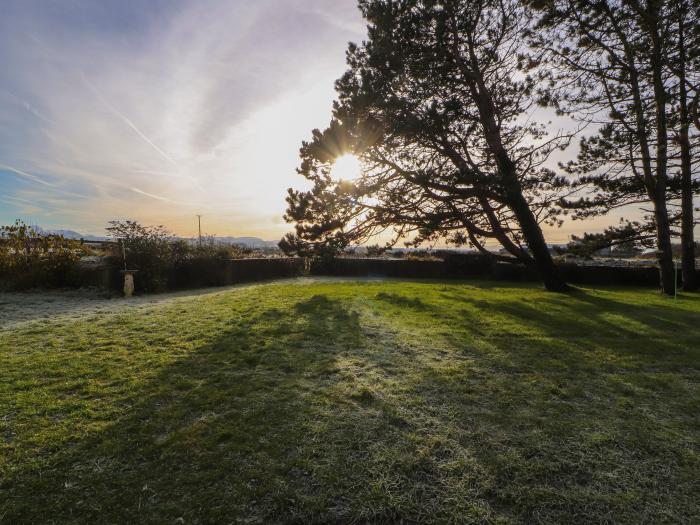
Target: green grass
357	402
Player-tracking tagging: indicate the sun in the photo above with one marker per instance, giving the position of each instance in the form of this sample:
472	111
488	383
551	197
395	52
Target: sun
346	167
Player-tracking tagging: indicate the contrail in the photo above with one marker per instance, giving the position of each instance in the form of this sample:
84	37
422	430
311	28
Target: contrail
26	175
158	197
126	120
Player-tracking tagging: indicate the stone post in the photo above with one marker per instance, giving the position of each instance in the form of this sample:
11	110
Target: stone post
128	283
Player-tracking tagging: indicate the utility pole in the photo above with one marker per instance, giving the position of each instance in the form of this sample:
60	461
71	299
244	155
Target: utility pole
199	222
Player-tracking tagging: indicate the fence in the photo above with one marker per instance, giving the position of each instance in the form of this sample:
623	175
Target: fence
204	272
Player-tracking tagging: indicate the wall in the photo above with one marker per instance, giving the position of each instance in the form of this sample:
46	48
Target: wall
197	273
468	266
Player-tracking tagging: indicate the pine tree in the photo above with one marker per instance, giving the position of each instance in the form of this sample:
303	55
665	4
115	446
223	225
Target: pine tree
436	106
612	65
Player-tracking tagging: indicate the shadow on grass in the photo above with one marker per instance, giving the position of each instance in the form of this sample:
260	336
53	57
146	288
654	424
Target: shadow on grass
566	407
402	300
312	414
215	437
584	313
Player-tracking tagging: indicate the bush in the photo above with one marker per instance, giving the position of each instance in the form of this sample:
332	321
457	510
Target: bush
146	249
29	258
208	248
164	263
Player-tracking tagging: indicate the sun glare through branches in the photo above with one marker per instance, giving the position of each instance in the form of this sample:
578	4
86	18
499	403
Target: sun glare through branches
346	167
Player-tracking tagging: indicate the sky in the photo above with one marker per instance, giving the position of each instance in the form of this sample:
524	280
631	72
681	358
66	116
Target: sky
160	110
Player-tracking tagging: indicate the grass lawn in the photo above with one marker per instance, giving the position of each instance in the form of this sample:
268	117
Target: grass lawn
354	402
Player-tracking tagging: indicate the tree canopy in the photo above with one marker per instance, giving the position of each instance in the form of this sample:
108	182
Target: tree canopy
628	68
440	104
437	107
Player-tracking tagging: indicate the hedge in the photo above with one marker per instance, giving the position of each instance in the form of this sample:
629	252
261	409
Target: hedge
196	273
477	266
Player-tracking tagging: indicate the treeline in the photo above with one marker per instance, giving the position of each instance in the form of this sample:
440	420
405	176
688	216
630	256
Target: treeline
446	106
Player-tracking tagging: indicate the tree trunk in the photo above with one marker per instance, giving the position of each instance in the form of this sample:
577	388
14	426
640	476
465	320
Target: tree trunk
690	282
543	262
530	228
664	254
663	228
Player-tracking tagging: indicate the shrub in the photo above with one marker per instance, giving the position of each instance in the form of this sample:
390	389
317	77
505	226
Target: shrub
146	249
208	248
161	261
29	258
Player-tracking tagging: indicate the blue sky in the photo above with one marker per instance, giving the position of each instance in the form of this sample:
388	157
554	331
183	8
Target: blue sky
160	110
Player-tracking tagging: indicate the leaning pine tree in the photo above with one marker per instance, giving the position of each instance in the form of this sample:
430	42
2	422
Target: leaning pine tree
437	109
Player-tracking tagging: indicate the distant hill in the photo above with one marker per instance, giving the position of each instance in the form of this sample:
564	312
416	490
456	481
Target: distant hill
70	234
249	242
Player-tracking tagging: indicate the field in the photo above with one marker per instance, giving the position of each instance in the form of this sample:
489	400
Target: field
348	401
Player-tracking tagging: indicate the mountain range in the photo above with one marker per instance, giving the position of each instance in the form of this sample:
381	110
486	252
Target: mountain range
249	242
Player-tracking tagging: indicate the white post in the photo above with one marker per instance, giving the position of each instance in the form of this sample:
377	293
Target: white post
675	280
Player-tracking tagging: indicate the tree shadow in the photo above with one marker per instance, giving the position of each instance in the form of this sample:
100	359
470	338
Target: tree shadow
215	436
558	400
317	414
402	301
583	312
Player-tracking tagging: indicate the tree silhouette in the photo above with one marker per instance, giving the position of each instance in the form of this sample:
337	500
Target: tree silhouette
623	66
436	107
684	64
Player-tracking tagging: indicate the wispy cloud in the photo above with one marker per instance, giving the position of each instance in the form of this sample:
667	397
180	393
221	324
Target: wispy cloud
26	175
126	120
152	196
161	109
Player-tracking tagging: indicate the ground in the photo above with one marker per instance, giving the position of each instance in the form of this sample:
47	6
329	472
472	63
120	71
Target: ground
353	402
